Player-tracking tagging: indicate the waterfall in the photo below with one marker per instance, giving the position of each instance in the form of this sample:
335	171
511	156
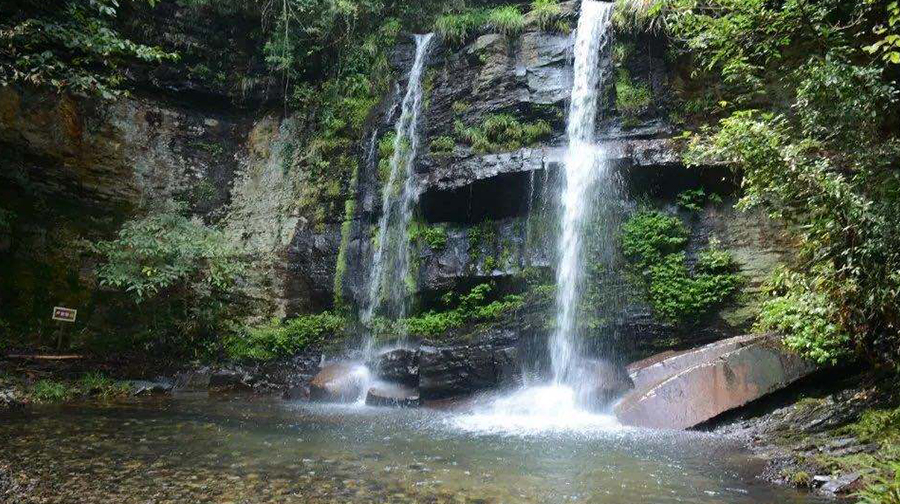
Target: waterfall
387	283
584	163
565	403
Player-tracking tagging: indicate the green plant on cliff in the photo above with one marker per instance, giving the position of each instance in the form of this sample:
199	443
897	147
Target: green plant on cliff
434	236
507	20
502	132
476	306
175	268
632	98
883	488
282	338
72	45
653	242
546	13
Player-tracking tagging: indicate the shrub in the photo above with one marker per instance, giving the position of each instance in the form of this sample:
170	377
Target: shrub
442	145
457	28
649	235
807	319
177	269
545	13
507	20
97	384
653	243
679	297
502	132
632	98
282	339
638	16
434	236
49	391
882	488
470	307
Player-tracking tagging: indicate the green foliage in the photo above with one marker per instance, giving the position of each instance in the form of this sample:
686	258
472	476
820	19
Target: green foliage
97	384
638	16
889	45
177	270
680	297
652	241
71	46
650	235
472	307
49	391
507	20
442	145
882	488
808	119
433	236
282	339
502	132
165	250
546	13
806	317
882	425
694	200
457	28
632	98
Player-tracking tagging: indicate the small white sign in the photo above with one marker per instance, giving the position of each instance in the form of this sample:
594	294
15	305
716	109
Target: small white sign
64	314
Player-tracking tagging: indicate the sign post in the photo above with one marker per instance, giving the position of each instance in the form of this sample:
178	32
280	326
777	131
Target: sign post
66	315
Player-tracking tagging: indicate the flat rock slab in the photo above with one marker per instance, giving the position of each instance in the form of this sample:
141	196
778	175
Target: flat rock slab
690	388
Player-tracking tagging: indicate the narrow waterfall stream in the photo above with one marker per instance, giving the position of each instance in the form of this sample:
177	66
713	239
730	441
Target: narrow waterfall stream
387	291
562	404
583	163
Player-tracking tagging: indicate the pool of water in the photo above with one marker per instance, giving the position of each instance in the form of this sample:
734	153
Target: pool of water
239	450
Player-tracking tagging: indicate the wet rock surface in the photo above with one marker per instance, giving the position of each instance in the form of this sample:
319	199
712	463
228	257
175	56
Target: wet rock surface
465	369
803	432
400	365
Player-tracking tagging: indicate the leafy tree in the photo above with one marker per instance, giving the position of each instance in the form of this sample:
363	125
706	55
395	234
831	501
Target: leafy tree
71	45
809	122
176	269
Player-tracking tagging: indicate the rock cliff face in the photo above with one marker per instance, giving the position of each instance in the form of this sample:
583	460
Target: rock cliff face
75	168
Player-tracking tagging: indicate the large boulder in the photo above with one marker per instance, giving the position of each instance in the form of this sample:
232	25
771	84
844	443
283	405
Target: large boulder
400	365
389	394
339	382
687	389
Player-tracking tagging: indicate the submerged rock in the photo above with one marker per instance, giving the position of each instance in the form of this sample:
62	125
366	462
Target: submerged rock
393	395
339	382
400	365
688	389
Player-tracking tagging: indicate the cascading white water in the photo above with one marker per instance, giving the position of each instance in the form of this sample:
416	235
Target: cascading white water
387	285
583	163
560	404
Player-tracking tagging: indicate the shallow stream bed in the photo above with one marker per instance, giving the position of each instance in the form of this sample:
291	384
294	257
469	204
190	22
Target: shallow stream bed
237	450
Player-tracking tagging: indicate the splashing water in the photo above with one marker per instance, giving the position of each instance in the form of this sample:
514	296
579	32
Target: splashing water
387	285
561	404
